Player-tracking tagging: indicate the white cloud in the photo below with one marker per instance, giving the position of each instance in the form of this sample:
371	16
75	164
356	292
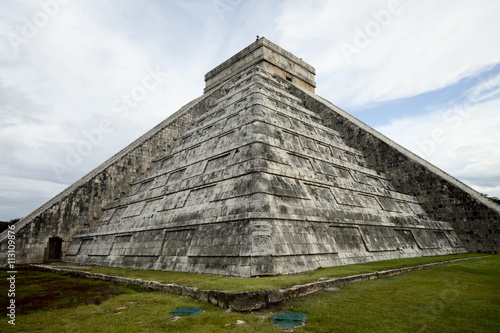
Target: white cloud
16	192
462	140
426	46
488	88
65	79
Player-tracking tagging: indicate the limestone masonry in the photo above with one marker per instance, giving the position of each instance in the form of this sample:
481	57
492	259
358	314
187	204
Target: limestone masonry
259	176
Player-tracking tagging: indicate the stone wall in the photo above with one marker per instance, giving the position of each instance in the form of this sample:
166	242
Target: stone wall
475	218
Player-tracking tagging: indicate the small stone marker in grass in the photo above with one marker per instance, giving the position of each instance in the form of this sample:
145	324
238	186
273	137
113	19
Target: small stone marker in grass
289	319
187	311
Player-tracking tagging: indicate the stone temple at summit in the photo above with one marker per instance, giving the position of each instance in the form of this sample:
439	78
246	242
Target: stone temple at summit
259	176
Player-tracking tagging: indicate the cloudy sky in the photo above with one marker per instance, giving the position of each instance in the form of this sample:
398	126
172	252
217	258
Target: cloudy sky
81	79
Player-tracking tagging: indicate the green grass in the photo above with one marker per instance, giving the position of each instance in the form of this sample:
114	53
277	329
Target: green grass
235	284
43	290
97	306
459	297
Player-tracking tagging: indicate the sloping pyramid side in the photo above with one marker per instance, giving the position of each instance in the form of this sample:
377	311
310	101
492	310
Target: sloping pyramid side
260	186
475	218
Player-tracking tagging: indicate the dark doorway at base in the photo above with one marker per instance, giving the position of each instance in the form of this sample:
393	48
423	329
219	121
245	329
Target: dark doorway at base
55	248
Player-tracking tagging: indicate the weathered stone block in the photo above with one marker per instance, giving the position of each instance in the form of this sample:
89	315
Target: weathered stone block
247	301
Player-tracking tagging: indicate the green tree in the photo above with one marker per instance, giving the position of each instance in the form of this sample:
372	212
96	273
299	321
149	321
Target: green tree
494	199
5	224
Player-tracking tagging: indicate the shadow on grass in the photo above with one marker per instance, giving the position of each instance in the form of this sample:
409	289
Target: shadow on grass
36	290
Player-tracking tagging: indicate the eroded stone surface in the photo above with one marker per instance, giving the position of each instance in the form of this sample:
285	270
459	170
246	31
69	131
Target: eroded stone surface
259	177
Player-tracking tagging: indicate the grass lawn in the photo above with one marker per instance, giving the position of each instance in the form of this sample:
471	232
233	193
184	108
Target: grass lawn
459	297
236	284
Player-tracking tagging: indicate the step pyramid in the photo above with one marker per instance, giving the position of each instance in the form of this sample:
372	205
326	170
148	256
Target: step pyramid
260	186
